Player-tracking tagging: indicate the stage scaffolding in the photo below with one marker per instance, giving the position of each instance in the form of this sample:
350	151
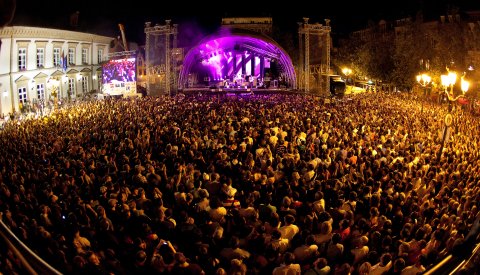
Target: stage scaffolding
313	69
124	54
162	58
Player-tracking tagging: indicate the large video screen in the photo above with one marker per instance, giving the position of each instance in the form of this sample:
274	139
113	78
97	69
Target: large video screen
120	76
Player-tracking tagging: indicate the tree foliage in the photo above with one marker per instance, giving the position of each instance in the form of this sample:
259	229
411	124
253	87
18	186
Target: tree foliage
399	54
349	55
371	58
380	62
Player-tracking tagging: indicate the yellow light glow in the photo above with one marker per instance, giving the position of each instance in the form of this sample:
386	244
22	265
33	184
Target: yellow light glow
445	80
464	85
346	71
424	79
452	76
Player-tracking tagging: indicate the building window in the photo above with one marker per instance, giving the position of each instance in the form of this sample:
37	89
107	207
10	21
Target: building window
100	56
40	91
40	57
56	57
71	56
85	56
99	78
71	87
22	59
22	95
84	84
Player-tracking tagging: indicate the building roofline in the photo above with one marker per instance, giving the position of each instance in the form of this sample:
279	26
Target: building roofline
50	33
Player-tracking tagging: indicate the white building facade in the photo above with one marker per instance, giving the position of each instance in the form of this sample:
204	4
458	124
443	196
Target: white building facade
37	64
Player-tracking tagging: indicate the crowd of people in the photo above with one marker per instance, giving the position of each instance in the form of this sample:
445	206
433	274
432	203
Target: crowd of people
259	184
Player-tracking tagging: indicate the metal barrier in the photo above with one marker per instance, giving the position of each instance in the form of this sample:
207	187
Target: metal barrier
29	260
469	263
452	264
445	266
464	254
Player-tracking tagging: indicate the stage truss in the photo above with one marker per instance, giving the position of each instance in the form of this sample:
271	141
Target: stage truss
162	58
123	54
314	64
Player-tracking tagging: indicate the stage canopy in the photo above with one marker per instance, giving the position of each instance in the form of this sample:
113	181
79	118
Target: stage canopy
237	57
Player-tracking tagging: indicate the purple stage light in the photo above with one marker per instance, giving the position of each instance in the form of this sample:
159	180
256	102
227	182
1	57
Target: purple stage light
229	65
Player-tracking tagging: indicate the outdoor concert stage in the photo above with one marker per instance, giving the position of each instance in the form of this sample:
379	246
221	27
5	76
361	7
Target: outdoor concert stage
236	59
233	91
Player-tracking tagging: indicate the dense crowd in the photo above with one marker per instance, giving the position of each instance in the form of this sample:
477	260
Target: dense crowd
259	184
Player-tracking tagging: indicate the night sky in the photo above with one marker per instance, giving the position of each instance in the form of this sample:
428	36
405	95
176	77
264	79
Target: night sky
198	18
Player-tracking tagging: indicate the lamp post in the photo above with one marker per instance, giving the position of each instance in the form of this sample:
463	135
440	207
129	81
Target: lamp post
424	80
449	81
346	72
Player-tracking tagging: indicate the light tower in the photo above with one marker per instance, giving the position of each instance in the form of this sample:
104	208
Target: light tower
314	63
160	50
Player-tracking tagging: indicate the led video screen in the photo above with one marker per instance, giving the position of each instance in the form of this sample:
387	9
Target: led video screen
119	76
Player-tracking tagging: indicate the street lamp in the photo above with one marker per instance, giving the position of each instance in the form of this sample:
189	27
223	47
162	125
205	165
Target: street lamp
346	72
464	85
449	81
424	80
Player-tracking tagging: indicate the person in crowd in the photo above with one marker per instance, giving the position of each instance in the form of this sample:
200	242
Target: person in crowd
320	267
383	266
288	265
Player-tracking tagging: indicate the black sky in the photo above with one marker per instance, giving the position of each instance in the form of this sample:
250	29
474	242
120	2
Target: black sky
202	17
